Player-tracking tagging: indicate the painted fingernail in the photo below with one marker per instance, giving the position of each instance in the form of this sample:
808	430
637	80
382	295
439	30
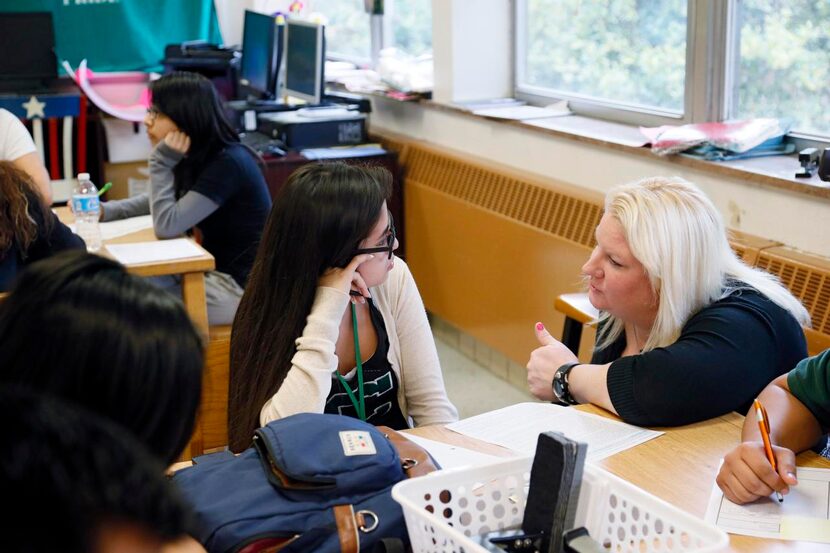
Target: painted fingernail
540	326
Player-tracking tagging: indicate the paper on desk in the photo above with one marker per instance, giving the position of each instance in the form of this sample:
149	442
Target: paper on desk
114	229
518	427
150	252
450	456
526	112
802	516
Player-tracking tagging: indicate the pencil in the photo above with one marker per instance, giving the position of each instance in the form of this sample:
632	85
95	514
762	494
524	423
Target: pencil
763	425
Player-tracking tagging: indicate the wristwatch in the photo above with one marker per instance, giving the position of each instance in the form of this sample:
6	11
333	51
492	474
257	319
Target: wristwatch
560	384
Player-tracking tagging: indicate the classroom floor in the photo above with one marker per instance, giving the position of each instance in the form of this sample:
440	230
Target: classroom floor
471	387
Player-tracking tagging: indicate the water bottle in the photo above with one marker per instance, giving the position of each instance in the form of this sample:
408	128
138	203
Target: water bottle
87	209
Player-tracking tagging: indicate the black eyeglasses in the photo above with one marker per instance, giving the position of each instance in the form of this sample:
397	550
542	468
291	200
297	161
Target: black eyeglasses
390	241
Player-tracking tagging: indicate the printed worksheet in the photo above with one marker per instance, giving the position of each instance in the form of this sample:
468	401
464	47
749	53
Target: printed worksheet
803	515
517	427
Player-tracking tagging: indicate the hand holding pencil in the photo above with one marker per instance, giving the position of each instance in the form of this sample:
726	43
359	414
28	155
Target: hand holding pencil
757	469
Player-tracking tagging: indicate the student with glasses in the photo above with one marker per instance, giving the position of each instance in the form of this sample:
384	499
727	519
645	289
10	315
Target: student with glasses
330	321
201	177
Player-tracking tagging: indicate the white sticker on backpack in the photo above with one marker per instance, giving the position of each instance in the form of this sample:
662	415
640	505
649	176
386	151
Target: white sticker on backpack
357	442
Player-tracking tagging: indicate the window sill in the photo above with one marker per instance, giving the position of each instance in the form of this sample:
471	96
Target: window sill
772	171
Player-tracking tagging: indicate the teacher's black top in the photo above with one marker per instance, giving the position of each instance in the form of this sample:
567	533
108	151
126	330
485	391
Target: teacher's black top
725	355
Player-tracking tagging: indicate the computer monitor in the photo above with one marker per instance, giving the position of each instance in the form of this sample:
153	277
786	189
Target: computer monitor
261	49
27	40
305	54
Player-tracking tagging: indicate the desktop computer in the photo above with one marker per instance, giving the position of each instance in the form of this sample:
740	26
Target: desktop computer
315	127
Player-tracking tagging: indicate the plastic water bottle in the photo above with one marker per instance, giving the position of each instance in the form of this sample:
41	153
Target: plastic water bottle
87	209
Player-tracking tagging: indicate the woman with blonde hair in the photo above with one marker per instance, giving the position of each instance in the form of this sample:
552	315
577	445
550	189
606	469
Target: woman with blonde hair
686	330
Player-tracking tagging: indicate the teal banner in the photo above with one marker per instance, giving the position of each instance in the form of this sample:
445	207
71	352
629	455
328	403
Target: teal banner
122	35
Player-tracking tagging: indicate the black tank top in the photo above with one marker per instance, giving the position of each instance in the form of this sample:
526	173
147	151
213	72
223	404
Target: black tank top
380	384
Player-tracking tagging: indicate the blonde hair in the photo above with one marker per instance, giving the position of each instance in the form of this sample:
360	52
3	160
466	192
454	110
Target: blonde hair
678	235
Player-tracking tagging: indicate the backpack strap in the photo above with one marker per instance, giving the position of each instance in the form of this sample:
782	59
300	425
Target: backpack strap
415	460
346	528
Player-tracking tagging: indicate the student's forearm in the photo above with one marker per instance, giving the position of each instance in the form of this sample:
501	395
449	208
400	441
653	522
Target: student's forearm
588	384
792	425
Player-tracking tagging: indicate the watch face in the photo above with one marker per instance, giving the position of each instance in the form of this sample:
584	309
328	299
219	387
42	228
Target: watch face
558	388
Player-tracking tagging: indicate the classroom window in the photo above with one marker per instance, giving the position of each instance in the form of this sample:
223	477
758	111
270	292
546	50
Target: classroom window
408	26
783	66
627	53
348	33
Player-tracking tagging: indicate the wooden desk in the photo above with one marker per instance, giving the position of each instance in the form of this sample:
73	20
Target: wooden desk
678	467
192	270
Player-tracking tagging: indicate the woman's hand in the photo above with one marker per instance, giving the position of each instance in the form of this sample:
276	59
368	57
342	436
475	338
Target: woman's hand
544	361
747	475
348	279
178	141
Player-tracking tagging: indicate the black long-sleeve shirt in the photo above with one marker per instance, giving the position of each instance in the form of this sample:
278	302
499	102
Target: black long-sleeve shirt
58	238
725	355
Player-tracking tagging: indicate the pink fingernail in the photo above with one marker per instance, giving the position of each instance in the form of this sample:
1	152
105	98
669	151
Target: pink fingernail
540	326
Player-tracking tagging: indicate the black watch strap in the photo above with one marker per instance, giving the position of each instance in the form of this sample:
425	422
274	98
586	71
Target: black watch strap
560	386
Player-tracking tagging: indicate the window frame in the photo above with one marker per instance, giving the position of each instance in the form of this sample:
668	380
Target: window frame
712	61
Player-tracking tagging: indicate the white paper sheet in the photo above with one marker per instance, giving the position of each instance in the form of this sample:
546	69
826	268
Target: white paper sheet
803	515
151	252
518	427
114	229
526	112
451	456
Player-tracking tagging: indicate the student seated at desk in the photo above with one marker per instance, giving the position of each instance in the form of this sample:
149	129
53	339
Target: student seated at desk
75	482
297	337
201	176
798	410
16	146
78	326
29	231
687	331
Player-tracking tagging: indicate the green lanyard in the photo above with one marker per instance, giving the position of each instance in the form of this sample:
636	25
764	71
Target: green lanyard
360	406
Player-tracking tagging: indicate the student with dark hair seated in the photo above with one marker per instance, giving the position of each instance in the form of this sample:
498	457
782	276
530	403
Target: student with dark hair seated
299	345
29	231
80	327
201	176
75	482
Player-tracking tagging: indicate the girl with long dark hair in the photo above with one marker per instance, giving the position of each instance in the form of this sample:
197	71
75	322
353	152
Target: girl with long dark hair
29	231
201	176
300	345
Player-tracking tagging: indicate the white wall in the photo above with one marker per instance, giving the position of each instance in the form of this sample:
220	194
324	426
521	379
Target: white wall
794	219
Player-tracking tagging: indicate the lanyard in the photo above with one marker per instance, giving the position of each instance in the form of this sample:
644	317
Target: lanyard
360	406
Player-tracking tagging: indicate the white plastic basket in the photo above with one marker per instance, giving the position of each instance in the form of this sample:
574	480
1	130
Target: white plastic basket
446	511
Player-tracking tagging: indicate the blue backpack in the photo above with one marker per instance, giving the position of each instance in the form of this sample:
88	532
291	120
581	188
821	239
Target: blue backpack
310	482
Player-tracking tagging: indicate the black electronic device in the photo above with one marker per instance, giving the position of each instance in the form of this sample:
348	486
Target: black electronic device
305	58
824	165
217	63
261	57
809	160
552	498
315	128
27	42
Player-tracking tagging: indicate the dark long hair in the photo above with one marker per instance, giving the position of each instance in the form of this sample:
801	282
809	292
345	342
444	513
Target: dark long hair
18	199
317	221
70	474
80	327
190	100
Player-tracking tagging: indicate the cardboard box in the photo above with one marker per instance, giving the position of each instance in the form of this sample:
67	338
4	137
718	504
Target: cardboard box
128	179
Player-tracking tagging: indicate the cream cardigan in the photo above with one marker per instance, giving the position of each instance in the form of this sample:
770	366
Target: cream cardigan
412	355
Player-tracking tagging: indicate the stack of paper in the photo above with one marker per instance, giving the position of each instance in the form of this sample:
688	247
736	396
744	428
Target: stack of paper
154	252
